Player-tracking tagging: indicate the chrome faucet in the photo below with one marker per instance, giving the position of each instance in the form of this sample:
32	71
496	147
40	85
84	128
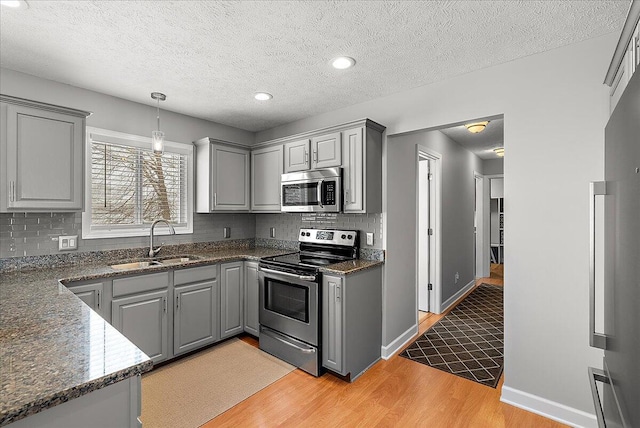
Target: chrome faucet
152	251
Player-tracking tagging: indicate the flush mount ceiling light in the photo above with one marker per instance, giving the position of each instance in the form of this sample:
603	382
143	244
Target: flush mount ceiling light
476	127
499	151
343	62
15	4
262	96
157	137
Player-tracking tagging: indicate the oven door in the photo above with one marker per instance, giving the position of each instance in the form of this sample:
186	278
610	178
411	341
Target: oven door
289	304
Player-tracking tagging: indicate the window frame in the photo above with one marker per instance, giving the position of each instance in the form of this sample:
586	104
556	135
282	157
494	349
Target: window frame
123	231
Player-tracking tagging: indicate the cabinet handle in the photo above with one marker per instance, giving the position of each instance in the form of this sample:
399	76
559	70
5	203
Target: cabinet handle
177	301
315	156
12	188
346	192
164	301
215	199
99	299
596	340
338	292
306	156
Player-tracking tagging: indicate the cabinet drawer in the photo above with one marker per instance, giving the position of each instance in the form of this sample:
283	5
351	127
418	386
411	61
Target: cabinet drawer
196	274
139	284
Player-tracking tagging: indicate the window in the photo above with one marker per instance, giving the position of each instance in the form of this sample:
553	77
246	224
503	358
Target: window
128	186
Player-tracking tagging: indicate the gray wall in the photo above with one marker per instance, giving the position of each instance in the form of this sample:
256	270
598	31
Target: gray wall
546	300
492	166
458	203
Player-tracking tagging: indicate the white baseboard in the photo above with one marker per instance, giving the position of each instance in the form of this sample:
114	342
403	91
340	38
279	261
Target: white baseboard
453	299
547	408
388	351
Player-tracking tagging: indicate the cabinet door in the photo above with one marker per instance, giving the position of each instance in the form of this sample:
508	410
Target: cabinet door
251	308
91	294
353	170
44	159
266	171
231	178
143	320
326	151
296	156
332	326
196	316
231	299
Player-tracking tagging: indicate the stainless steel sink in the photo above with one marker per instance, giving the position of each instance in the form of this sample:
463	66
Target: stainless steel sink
136	265
167	260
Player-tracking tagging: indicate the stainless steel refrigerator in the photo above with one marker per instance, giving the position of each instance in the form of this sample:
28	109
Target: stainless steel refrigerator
617	399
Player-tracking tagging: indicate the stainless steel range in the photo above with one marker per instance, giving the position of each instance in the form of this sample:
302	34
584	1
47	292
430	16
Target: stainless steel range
290	287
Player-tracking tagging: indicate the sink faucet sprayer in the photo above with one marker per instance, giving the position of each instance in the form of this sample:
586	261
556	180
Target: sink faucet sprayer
152	251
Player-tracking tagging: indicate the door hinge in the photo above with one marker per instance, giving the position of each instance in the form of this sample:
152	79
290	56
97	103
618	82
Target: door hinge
430	231
430	176
430	287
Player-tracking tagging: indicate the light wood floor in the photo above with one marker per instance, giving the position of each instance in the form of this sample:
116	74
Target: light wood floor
393	393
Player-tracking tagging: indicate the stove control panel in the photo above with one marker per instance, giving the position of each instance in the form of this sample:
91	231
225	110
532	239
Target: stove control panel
328	236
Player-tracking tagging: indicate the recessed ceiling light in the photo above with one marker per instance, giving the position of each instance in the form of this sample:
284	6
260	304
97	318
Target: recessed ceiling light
343	62
262	96
15	4
499	151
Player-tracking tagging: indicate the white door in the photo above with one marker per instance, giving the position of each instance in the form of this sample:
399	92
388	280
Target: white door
424	236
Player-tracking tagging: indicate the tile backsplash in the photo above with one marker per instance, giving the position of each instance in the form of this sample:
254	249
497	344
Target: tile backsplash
36	234
288	225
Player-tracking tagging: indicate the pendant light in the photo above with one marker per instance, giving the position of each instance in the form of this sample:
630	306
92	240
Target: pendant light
157	136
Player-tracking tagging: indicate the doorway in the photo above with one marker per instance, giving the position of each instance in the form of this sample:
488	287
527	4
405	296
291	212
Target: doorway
428	242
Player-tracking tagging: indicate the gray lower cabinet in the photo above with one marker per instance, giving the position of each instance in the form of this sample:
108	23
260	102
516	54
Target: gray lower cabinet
143	317
93	294
251	304
231	299
196	314
352	321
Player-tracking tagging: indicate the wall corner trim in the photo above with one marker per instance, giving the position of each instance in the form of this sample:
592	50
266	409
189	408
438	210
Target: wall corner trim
399	342
547	408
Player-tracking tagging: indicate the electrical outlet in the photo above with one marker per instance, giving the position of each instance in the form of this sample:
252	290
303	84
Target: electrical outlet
369	238
457	277
69	242
226	232
272	232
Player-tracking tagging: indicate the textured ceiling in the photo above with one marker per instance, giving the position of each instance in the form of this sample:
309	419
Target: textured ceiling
482	143
210	57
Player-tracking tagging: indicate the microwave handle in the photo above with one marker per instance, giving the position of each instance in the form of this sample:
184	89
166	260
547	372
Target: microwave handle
320	183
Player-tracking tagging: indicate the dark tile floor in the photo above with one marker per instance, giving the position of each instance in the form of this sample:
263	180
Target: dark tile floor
468	341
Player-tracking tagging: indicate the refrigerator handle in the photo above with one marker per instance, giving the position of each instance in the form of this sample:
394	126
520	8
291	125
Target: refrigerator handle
596	340
597	375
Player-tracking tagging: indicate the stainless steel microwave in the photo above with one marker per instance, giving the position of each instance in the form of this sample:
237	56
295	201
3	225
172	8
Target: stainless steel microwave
312	191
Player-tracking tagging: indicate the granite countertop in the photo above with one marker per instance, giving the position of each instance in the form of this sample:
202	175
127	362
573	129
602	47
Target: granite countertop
54	348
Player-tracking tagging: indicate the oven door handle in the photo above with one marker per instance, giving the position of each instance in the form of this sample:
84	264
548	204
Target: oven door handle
290	275
286	342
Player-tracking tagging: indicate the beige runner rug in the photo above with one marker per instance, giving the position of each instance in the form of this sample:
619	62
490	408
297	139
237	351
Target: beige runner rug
196	389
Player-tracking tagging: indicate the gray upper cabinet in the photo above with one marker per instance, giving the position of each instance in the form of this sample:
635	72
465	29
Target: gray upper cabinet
231	299
362	168
47	139
296	156
266	169
326	151
251	304
222	177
